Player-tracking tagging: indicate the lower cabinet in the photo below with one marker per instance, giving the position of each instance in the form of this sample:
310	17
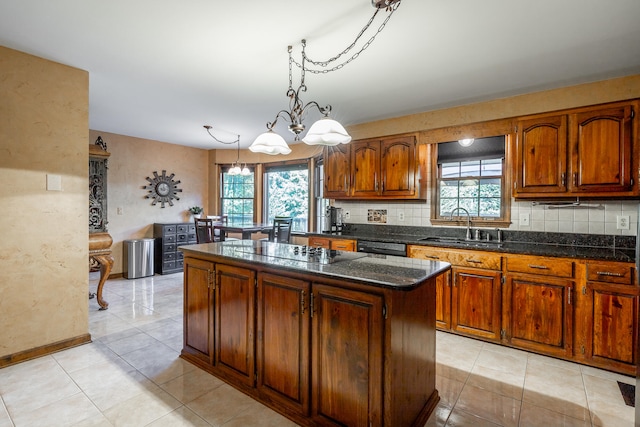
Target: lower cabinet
324	352
347	349
332	243
476	300
283	341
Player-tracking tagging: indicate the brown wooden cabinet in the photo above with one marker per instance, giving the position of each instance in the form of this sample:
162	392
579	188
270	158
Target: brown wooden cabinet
539	310
332	243
587	152
381	168
283	359
347	349
469	298
198	309
235	322
337	171
612	321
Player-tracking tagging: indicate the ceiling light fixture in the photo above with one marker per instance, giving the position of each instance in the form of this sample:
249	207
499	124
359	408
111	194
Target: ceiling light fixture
235	166
466	142
325	131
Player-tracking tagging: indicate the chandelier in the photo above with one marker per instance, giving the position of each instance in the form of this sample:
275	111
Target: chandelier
235	166
326	131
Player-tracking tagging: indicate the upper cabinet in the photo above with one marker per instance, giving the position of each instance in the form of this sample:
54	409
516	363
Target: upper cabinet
384	168
587	152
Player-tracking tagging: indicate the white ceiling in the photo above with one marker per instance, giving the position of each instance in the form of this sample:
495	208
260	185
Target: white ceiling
160	69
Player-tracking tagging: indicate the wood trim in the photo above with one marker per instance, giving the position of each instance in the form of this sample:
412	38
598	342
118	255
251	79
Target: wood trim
21	356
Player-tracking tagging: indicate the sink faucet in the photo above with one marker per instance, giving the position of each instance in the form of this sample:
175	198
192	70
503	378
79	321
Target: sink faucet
468	220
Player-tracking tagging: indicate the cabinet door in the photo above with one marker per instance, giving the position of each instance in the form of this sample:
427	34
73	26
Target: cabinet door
601	150
540	313
613	326
347	352
397	167
443	301
198	305
283	341
235	314
366	168
541	150
476	302
337	171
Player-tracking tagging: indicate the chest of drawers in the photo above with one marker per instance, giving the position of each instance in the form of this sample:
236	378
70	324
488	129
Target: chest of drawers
168	237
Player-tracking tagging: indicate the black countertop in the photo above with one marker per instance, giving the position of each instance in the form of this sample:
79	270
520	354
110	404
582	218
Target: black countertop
376	270
568	245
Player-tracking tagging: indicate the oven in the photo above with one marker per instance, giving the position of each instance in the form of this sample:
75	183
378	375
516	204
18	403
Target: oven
384	248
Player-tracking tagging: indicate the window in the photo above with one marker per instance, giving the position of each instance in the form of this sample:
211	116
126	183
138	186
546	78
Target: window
287	194
321	203
471	178
238	196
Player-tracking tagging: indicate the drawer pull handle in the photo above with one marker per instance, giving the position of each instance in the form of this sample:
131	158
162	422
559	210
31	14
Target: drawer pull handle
539	267
608	273
432	257
475	261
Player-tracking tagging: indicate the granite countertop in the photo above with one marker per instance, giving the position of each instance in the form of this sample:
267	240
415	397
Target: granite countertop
567	245
376	270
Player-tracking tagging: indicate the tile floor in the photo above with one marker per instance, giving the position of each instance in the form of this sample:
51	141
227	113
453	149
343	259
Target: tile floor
130	375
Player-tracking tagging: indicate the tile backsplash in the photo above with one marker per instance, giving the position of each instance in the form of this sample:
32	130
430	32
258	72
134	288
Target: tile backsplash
541	218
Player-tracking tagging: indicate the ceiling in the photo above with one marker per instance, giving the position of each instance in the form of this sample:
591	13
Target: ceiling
161	69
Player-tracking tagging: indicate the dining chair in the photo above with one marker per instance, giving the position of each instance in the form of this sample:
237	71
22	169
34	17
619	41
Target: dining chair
281	231
218	220
204	230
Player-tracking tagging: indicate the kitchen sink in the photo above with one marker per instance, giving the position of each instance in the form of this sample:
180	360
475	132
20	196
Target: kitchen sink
454	241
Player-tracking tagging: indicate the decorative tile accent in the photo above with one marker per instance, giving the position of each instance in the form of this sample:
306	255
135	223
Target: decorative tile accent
378	216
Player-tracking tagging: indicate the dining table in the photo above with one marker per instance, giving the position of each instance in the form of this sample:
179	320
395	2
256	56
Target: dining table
246	229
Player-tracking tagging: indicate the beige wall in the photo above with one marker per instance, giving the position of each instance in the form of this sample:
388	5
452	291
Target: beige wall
131	161
44	250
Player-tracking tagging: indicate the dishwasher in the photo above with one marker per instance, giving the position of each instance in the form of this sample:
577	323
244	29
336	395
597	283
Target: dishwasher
383	248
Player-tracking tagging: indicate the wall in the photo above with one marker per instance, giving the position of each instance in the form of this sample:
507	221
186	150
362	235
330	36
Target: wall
131	215
592	221
44	250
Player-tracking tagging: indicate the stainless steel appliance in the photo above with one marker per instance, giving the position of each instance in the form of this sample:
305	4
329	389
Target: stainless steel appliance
333	220
384	248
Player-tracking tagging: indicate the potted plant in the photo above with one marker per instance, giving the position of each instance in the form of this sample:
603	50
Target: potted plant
195	211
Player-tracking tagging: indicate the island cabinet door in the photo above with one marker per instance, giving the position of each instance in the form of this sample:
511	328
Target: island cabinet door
347	354
283	341
198	309
234	320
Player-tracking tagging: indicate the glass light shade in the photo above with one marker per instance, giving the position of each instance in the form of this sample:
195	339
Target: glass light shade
326	131
234	170
465	142
245	171
270	143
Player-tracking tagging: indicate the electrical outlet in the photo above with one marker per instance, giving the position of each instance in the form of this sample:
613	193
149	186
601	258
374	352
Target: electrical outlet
346	215
119	210
400	216
622	222
525	219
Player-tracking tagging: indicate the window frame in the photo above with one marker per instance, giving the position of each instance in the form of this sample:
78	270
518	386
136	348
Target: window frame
222	172
476	130
293	164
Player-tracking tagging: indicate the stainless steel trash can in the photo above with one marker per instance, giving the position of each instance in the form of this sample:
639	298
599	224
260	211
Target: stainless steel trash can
138	258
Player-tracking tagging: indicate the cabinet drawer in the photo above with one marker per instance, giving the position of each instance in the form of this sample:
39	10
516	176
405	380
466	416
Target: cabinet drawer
169	229
171	238
168	256
169	247
319	242
610	272
168	265
540	265
461	258
343	245
182	238
183	228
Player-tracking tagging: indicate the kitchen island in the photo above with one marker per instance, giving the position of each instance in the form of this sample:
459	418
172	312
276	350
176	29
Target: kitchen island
323	337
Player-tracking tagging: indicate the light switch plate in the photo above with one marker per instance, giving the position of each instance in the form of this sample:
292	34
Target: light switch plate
525	219
54	182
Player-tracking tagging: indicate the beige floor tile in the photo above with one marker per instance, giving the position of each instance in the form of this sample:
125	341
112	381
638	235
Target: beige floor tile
132	343
181	417
439	416
498	381
259	416
85	355
5	420
569	401
489	406
449	390
221	405
536	416
191	385
158	363
142	409
459	418
63	413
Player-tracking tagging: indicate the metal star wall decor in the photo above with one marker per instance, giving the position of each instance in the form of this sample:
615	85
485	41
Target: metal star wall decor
162	189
